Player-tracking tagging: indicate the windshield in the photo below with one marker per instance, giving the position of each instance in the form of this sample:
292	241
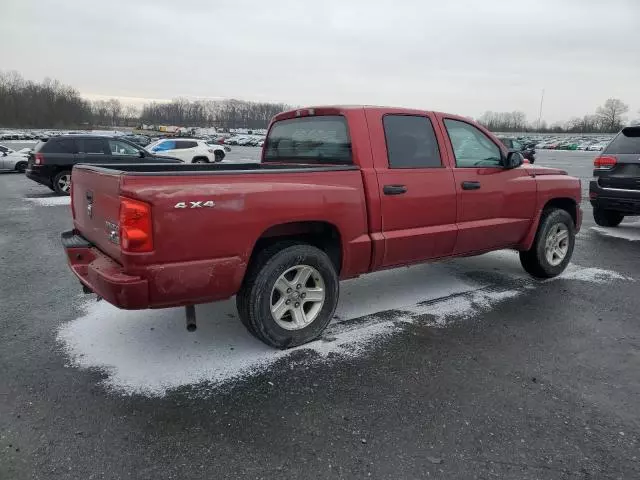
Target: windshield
322	139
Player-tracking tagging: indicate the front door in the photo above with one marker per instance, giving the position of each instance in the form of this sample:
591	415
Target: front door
495	205
123	152
416	189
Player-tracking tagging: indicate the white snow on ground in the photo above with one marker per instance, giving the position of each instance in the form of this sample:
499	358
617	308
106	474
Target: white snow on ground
150	352
49	201
626	231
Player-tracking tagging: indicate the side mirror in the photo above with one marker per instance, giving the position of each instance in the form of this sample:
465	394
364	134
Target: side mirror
514	160
4	154
141	154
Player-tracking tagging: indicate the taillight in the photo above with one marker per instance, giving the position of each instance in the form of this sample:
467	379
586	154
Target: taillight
136	228
604	162
39	159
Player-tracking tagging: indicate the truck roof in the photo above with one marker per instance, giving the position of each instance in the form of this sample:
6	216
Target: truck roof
338	109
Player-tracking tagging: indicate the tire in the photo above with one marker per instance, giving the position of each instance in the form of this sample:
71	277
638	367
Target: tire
21	167
259	293
218	155
60	185
607	218
536	261
200	160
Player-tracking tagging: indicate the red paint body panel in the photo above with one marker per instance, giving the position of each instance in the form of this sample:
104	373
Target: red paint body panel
202	254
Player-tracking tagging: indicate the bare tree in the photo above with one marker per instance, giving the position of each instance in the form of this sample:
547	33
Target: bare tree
611	114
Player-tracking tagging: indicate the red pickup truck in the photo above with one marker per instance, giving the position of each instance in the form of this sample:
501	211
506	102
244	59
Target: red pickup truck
340	191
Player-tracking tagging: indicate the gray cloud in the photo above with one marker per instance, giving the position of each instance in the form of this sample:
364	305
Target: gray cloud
461	56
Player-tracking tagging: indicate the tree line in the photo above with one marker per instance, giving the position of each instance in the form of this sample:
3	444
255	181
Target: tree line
51	104
608	118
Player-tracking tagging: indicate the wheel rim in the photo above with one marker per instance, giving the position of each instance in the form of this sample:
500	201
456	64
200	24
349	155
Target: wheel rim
297	297
557	244
64	183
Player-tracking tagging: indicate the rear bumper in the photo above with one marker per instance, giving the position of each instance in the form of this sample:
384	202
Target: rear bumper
102	275
155	286
39	175
618	200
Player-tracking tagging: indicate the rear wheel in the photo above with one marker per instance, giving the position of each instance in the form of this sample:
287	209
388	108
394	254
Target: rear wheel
200	160
289	295
553	246
607	218
62	182
21	167
218	155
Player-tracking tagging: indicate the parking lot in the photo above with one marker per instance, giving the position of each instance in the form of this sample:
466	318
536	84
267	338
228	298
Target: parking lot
462	369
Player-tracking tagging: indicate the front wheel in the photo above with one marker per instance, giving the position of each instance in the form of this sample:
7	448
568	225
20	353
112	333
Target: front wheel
607	218
289	295
553	246
62	183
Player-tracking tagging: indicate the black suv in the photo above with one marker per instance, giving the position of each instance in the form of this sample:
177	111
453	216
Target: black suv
51	160
615	190
527	150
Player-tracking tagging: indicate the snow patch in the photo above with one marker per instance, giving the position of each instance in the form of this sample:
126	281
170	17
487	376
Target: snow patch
150	352
49	201
593	275
626	231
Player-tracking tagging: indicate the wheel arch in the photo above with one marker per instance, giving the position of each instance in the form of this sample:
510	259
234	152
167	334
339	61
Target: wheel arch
567	204
319	233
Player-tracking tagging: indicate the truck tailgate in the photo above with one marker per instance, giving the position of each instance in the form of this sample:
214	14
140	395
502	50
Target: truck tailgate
96	206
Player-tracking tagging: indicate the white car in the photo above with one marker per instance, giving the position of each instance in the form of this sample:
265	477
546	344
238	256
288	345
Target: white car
597	147
12	161
188	150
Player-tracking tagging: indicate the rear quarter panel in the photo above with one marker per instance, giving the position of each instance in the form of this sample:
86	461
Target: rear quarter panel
246	205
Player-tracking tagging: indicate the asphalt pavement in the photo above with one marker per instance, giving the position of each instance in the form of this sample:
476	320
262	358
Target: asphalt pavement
465	369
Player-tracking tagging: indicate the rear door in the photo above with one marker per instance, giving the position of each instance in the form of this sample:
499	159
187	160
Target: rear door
60	151
417	192
625	149
186	150
94	150
495	205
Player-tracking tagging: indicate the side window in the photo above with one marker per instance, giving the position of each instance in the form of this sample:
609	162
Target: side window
95	146
471	147
411	142
61	145
121	148
164	146
184	144
3	149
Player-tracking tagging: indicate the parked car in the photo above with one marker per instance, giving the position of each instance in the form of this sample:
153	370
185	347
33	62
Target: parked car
51	161
12	161
188	150
597	147
141	140
512	144
615	190
340	192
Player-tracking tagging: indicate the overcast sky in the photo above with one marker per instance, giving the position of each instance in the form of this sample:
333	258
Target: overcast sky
459	56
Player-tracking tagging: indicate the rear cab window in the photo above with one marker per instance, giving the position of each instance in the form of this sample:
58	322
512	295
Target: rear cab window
626	142
319	139
411	142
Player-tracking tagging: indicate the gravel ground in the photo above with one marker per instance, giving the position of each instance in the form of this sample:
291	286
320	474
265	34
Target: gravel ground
463	369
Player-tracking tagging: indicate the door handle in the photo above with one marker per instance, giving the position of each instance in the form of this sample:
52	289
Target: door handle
470	185
394	189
